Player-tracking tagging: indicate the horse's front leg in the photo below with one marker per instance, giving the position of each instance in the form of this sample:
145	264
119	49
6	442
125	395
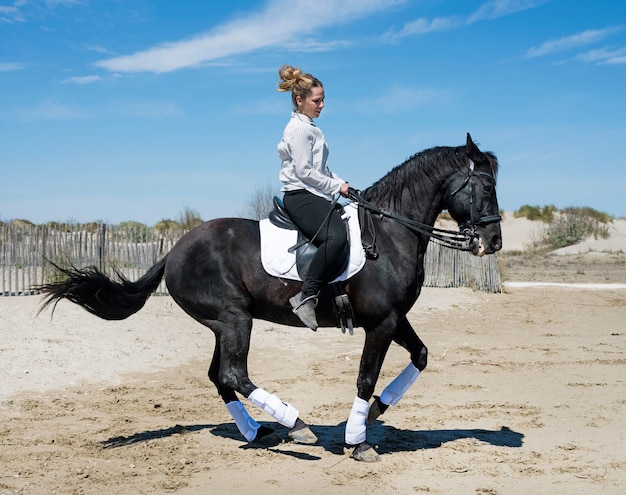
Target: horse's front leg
407	338
374	350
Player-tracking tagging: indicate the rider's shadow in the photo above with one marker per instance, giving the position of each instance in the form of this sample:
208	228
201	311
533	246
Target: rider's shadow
390	439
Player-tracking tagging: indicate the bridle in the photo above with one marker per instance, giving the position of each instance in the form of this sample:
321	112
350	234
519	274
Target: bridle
464	239
471	183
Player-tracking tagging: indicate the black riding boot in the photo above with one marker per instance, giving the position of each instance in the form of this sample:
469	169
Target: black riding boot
304	308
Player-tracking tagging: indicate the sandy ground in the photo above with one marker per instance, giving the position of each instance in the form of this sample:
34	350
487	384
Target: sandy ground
524	393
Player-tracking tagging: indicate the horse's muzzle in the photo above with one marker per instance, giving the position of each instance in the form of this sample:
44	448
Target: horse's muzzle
485	241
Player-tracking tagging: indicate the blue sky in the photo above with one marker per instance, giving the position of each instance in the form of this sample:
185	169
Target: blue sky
117	110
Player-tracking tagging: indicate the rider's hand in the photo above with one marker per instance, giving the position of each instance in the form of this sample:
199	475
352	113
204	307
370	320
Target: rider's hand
344	189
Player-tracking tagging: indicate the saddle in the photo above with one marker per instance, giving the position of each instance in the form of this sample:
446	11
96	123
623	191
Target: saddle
304	250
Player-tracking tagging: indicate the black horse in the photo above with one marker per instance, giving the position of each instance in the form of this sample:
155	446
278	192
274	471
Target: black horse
214	273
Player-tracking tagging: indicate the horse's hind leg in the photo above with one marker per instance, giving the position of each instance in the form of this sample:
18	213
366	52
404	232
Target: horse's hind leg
248	427
229	373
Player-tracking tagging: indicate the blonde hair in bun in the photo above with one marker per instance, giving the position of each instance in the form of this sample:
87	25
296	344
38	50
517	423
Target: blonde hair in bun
294	80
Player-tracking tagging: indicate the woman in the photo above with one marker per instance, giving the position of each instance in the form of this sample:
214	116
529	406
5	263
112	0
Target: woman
309	187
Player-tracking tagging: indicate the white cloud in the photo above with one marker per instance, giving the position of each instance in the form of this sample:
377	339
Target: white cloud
579	39
262	107
10	66
22	9
99	49
311	45
62	3
423	26
616	60
55	109
51	109
83	80
500	8
604	56
10	14
399	99
146	109
487	11
281	22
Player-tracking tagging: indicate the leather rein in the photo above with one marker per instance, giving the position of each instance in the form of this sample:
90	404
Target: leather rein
463	239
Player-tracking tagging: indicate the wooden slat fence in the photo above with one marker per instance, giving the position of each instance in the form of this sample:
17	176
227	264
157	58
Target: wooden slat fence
446	267
24	249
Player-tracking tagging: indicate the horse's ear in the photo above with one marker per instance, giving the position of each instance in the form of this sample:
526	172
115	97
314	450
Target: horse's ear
469	144
470	148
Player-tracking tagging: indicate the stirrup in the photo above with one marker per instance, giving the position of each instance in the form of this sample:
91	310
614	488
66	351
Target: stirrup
343	309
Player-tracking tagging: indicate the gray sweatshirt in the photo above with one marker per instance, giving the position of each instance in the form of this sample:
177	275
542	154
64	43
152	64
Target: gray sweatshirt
304	151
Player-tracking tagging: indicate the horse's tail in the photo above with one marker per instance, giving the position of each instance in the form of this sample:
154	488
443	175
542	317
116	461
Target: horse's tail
101	296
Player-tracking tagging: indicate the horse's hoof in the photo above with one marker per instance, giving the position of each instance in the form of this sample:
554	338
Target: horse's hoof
365	452
304	436
301	433
266	437
376	409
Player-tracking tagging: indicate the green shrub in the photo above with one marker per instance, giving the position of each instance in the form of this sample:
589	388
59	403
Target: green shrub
545	213
20	222
92	227
135	231
52	273
166	224
189	218
573	225
585	211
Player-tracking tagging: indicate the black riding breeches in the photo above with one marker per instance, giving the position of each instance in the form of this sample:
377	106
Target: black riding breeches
317	217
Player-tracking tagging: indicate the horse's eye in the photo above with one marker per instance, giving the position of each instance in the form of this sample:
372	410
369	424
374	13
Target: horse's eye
487	186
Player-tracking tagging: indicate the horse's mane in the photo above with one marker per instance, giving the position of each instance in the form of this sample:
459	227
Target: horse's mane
417	172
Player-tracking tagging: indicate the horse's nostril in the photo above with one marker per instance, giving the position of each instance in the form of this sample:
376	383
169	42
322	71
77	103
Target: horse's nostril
496	243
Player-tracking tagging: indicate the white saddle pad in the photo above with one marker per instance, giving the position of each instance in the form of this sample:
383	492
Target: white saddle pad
279	262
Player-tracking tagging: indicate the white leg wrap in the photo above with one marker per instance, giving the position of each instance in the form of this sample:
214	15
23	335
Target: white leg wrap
397	388
247	426
355	427
281	411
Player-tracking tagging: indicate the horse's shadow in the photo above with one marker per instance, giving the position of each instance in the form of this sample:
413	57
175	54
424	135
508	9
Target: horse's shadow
147	435
386	438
